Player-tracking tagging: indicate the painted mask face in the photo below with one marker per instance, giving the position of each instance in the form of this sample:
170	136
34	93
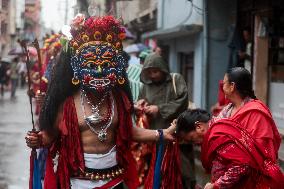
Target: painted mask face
99	67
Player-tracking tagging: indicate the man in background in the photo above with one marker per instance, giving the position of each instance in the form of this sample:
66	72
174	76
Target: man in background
162	102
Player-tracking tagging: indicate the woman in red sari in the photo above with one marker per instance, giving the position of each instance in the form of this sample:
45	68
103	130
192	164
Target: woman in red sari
241	144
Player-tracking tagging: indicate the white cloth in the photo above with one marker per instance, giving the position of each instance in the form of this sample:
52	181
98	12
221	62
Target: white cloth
95	161
247	63
22	67
133	60
133	72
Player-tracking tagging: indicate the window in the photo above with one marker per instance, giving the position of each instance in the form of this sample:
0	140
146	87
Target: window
5	4
186	69
3	28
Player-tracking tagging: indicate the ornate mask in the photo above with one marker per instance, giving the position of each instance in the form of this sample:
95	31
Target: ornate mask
97	59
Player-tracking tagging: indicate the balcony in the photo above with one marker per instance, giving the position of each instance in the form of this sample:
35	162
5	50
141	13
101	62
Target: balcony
30	2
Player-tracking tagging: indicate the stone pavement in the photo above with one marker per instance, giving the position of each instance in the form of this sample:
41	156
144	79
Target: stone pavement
15	121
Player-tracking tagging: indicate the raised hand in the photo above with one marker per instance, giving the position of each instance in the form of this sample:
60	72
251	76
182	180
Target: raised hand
34	139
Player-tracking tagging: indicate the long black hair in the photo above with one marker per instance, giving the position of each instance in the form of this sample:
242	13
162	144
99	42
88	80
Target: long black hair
242	79
60	88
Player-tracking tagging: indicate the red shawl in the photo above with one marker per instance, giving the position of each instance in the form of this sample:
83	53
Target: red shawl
254	132
70	149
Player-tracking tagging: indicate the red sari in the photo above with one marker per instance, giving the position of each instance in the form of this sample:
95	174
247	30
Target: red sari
241	151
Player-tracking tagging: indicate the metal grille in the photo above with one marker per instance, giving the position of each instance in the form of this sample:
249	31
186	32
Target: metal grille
3	28
5	4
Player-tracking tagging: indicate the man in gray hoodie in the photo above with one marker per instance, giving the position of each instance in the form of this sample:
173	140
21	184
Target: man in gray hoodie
163	98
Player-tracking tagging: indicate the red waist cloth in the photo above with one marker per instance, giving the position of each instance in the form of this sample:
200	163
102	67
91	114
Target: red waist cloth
254	136
70	149
170	169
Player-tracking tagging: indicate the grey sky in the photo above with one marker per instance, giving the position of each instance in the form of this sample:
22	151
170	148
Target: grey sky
53	13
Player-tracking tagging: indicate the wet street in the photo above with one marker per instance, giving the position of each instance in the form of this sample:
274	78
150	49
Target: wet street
15	121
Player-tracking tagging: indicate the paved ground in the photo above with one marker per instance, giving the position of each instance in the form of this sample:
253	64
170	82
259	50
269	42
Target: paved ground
15	121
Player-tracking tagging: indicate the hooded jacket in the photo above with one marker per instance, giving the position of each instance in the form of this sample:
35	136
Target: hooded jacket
170	102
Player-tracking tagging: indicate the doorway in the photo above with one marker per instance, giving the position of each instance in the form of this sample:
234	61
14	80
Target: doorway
186	69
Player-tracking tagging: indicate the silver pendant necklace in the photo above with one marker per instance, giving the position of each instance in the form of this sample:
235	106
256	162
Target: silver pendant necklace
93	120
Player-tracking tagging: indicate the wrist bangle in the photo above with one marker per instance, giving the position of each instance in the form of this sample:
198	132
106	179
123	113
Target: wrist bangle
159	134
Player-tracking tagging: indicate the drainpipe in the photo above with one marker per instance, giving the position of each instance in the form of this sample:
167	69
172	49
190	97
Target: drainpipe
162	12
205	72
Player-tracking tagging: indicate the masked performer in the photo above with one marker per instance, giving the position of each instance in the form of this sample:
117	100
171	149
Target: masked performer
51	49
50	53
86	117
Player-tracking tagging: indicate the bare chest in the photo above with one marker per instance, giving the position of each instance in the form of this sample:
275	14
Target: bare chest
96	138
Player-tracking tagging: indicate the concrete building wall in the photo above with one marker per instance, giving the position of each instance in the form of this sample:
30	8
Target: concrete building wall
12	18
95	7
20	8
32	27
199	72
4	17
131	10
186	45
172	13
220	18
7	26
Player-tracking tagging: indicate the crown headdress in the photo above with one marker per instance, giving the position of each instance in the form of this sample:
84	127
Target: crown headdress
96	31
53	43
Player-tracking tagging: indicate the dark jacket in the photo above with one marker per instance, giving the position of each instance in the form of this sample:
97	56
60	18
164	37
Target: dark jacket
169	102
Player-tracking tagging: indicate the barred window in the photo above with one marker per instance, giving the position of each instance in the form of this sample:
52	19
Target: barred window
3	28
5	4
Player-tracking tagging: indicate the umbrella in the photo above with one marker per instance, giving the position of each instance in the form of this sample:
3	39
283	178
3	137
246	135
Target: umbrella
138	47
8	59
18	51
132	48
141	46
129	35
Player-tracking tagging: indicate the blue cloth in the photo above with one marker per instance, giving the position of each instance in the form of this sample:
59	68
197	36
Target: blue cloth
42	160
36	175
157	171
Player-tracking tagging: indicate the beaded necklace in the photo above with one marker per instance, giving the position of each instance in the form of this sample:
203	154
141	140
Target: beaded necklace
96	120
